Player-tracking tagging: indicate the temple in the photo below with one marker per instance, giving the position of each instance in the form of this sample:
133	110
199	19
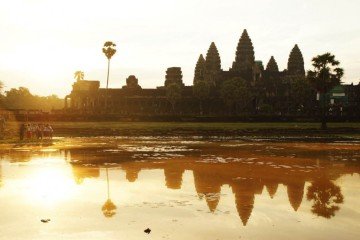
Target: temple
271	89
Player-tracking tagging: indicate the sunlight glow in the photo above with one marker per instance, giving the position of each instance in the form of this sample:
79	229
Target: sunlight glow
49	185
41	46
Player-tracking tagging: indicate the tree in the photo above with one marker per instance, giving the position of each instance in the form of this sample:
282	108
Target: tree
173	94
325	75
235	93
1	94
109	51
22	98
201	91
301	94
79	75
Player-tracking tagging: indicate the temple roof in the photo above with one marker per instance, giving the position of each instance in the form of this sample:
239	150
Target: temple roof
296	62
272	65
213	61
199	69
245	55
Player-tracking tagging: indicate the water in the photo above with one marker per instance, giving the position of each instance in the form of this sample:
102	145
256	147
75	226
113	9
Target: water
115	188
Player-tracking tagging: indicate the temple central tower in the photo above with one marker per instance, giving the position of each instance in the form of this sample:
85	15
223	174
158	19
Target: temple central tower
296	62
245	56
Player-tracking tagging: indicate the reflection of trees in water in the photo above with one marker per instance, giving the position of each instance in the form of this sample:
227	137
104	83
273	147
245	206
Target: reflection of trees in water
209	178
326	197
27	156
245	178
109	208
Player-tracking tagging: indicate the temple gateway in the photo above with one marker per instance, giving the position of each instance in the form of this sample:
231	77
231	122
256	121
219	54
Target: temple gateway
271	90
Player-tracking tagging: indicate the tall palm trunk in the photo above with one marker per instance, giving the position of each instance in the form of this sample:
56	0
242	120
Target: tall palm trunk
107	85
107	80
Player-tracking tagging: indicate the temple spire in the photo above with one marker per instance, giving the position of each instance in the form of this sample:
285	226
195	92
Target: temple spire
272	65
212	64
245	56
296	62
199	69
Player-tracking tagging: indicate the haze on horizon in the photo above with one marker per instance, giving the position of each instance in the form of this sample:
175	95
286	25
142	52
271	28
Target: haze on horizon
44	42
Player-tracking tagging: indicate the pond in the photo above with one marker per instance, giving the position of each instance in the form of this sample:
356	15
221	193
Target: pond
180	188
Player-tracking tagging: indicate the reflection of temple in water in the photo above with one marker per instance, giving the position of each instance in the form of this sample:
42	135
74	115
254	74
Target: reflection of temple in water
248	173
246	179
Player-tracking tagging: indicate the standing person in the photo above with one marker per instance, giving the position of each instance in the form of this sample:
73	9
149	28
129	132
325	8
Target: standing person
51	131
41	129
22	131
38	133
28	131
48	131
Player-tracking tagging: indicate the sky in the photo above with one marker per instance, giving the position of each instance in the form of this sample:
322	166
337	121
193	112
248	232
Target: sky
43	42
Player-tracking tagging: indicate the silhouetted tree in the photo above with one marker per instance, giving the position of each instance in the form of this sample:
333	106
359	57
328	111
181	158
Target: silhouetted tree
1	94
173	94
324	77
79	75
21	98
109	51
326	197
270	94
235	93
301	94
201	92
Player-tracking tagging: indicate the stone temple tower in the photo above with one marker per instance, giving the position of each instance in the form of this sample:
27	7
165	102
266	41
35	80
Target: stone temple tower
199	69
173	75
212	64
245	56
272	65
296	62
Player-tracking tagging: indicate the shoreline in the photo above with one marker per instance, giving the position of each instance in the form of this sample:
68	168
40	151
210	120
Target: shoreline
302	132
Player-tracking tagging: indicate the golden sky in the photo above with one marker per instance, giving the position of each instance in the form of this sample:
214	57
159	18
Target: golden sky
44	42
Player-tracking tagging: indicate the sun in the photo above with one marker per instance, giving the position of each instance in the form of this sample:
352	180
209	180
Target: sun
49	185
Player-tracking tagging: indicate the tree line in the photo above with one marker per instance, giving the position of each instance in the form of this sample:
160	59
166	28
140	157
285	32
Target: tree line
22	98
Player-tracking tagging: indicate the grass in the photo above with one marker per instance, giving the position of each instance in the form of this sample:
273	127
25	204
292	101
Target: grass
186	126
198	125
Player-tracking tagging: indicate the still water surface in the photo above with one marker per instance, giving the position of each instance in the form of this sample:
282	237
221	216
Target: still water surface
114	188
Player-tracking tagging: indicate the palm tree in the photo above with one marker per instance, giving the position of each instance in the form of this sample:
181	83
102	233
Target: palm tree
324	77
109	208
79	75
109	51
